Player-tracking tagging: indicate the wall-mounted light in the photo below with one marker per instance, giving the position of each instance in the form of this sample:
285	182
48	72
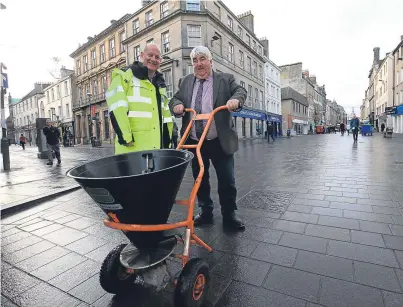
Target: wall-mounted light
165	57
214	38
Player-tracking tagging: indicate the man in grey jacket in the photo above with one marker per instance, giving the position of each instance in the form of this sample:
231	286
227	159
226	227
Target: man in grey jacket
204	91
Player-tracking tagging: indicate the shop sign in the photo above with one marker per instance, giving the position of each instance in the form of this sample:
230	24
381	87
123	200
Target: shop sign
250	114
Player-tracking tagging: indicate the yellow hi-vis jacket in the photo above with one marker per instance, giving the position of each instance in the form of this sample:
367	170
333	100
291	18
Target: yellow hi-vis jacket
134	112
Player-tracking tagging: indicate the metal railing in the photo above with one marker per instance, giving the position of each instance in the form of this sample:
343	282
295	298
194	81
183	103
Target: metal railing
82	102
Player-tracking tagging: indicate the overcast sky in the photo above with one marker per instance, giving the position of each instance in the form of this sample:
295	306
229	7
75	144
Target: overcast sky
333	39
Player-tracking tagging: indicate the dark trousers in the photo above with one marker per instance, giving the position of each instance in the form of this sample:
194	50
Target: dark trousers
270	135
355	134
23	145
54	148
224	167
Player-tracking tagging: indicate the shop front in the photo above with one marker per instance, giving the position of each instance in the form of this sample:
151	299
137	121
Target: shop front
249	123
397	116
276	121
299	126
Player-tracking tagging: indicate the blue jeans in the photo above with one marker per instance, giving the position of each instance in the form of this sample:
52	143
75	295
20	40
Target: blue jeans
224	167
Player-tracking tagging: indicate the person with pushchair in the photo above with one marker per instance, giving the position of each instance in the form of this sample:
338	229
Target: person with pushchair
52	140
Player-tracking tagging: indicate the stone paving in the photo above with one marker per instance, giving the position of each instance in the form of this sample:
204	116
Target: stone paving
30	178
324	223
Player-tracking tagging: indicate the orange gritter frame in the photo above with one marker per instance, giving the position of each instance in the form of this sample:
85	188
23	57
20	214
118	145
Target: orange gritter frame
190	236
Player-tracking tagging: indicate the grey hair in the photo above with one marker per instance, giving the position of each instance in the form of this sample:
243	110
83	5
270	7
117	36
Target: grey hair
201	50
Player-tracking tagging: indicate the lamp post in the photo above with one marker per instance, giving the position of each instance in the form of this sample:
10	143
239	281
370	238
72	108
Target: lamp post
5	150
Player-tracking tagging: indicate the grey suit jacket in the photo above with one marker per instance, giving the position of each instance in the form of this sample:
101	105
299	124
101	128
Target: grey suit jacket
224	89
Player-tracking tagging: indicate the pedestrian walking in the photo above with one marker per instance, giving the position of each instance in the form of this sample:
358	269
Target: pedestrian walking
23	141
138	105
52	140
270	132
354	124
383	127
342	128
203	91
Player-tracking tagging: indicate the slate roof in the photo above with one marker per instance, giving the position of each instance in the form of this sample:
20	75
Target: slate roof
290	93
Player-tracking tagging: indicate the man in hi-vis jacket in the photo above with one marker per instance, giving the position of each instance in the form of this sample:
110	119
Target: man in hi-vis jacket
138	105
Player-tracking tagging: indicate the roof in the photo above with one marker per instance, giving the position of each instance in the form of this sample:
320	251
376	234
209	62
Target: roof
398	46
113	26
289	93
37	90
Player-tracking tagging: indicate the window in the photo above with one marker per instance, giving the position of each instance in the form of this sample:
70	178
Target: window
66	89
137	53
67	110
47	95
241	59
254	45
240	32
79	94
249	65
93	58
194	35
260	50
149	18
122	47
255	68
102	53
190	69
136	26
168	82
230	23
94	88
150	41
112	48
53	94
164	9
58	91
250	94
261	100
103	84
165	42
248	39
230	52
59	110
30	102
256	97
277	93
193	5
78	67
85	60
260	72
243	84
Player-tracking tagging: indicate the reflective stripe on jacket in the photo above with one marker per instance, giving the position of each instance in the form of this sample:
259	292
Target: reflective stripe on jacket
134	113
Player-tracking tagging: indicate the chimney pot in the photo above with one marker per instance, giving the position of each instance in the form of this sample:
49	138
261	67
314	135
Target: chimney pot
401	37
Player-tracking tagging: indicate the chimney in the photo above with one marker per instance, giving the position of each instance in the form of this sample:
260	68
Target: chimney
313	79
145	2
376	55
401	37
247	20
113	21
265	42
89	38
305	73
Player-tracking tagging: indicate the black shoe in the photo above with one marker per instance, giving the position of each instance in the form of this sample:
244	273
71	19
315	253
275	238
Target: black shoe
203	219
232	222
59	162
49	163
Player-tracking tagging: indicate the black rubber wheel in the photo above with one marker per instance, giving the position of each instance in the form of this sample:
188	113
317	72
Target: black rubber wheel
192	286
113	277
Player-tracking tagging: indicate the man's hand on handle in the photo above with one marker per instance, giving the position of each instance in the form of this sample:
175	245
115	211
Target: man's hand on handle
233	104
179	109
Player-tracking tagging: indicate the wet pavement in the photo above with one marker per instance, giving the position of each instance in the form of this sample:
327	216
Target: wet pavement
324	223
30	178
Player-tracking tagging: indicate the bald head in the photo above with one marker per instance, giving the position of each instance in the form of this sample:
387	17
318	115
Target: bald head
151	57
152	46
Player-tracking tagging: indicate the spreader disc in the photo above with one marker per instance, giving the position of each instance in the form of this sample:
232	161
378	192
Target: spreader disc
133	258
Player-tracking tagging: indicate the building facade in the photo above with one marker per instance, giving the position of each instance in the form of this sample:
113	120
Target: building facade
56	103
179	26
12	136
292	75
294	111
398	87
94	61
273	95
26	111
